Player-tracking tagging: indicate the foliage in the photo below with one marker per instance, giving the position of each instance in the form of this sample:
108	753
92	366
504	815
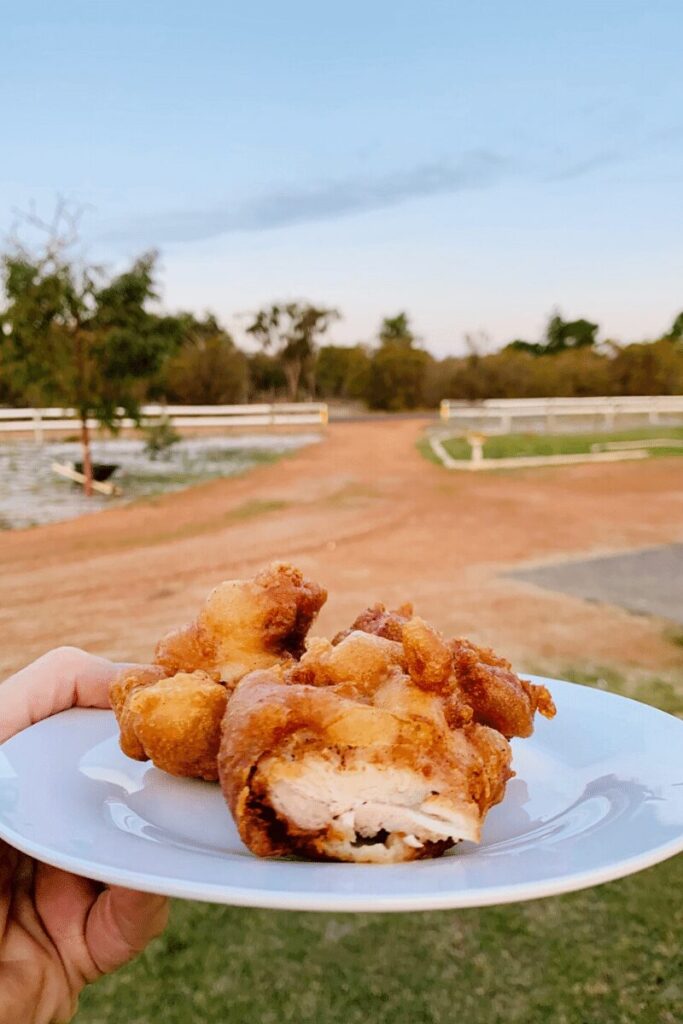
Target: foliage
649	369
646	368
398	368
73	336
208	368
160	436
342	372
267	380
676	330
560	335
292	331
68	340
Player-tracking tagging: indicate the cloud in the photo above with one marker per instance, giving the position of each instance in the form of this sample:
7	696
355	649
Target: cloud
289	206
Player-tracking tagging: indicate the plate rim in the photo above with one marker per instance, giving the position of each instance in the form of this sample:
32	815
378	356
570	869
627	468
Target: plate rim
283	899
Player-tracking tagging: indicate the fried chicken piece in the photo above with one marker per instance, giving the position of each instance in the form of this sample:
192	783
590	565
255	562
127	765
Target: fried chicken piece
131	679
498	697
471	675
379	621
170	712
245	625
344	757
357	664
174	722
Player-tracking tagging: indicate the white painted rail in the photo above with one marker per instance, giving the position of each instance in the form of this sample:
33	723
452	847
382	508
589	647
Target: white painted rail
265	414
554	413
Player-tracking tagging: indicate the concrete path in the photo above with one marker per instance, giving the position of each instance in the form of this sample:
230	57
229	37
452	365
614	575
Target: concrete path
649	581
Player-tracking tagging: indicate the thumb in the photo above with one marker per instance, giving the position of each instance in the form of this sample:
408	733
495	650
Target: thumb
121	923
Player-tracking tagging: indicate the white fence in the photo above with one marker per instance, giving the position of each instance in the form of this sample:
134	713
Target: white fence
37	421
555	413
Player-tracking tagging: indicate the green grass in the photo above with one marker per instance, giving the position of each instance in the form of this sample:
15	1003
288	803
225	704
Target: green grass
425	449
512	445
610	955
659	691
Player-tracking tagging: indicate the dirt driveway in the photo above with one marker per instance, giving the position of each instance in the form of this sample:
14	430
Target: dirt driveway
365	514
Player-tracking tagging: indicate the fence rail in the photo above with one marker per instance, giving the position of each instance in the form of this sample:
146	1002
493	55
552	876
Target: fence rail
552	413
264	414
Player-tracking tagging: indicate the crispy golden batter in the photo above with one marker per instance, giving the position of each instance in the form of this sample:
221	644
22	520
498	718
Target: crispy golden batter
498	697
379	621
245	625
178	723
474	676
170	712
131	679
345	757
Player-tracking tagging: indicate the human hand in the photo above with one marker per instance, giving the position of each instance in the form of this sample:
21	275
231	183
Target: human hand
58	932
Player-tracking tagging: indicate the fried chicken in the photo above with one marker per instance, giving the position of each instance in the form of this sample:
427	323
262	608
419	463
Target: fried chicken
387	744
170	712
174	722
346	756
245	625
497	697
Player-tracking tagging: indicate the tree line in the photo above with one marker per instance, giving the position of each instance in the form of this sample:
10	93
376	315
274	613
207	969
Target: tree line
72	334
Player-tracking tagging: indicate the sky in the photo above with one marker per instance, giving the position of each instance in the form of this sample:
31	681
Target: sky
477	165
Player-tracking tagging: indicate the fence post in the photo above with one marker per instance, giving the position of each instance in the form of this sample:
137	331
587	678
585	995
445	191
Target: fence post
549	419
476	443
609	415
37	427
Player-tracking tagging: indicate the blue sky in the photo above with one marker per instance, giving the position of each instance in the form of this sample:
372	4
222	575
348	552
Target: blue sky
476	164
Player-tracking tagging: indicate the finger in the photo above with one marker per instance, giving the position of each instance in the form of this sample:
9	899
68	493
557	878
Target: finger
60	679
121	923
8	864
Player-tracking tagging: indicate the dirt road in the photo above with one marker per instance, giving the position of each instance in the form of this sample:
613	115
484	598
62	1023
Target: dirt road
365	514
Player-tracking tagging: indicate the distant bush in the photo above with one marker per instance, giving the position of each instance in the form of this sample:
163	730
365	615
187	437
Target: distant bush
208	369
343	372
649	369
642	369
266	378
160	436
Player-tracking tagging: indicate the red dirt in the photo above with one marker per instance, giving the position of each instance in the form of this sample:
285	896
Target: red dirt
371	519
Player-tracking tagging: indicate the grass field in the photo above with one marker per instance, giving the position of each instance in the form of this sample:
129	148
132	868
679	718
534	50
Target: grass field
611	955
513	445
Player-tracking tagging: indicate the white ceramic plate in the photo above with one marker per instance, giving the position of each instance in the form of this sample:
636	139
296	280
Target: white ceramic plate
598	795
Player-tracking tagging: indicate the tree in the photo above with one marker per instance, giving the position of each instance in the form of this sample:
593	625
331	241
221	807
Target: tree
398	369
75	337
266	377
292	331
649	368
342	372
208	368
560	335
676	331
396	329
